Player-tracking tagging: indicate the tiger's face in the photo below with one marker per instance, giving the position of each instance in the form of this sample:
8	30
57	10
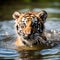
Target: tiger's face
30	24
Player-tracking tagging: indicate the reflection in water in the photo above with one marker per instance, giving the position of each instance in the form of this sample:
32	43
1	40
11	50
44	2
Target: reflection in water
40	55
30	55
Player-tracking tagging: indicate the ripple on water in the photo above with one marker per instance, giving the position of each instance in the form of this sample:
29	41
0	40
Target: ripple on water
49	51
8	53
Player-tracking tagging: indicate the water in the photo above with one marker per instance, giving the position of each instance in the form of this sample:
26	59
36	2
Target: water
8	36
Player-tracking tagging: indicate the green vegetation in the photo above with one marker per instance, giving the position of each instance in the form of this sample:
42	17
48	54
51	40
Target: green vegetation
7	7
26	1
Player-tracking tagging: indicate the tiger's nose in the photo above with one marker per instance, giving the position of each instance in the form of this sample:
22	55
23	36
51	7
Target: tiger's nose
27	30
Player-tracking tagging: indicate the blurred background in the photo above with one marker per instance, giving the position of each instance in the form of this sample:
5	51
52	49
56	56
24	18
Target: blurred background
7	7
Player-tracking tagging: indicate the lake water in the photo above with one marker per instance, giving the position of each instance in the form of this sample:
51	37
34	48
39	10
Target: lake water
8	36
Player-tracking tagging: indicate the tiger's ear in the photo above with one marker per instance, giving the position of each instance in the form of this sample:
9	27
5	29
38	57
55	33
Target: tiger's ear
16	15
42	15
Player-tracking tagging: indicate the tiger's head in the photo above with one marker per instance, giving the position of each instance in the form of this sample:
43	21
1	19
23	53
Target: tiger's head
30	24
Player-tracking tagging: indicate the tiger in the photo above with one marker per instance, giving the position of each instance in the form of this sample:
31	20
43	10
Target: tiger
30	28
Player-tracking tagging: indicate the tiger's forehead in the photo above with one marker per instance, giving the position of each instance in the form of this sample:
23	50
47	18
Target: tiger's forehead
29	15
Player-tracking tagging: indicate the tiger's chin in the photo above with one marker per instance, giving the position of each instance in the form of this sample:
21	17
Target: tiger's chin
32	39
30	42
